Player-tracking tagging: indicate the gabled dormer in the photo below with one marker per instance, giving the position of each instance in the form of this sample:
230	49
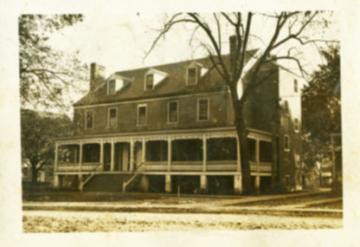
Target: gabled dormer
116	83
194	72
153	78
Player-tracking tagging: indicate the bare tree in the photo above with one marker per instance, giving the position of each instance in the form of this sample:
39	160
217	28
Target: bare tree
289	26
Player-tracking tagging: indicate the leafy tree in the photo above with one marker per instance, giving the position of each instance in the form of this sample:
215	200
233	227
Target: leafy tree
46	75
38	130
288	28
322	109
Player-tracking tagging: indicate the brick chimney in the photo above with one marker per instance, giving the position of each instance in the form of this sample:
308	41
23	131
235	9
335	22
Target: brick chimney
97	75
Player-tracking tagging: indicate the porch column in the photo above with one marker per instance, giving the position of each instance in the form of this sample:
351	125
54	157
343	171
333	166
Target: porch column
168	183
238	155
204	139
80	155
237	184
203	183
257	184
56	182
56	177
169	153
56	157
131	155
257	158
112	156
143	154
102	154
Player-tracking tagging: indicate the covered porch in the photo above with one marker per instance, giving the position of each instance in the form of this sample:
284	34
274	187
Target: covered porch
188	154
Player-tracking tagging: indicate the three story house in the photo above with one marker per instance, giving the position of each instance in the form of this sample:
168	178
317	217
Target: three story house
170	128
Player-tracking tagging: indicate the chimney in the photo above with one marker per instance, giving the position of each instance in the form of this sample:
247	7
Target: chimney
97	75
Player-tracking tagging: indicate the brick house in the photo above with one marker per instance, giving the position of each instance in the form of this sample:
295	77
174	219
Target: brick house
170	128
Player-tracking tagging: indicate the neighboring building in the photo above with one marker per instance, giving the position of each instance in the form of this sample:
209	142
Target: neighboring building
171	127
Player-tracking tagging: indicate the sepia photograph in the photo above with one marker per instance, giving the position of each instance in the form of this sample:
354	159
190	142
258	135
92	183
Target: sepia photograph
182	121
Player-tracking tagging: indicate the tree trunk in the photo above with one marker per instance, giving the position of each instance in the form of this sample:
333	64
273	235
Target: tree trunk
243	136
34	172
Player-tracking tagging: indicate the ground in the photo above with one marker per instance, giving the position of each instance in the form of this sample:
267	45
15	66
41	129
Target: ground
139	212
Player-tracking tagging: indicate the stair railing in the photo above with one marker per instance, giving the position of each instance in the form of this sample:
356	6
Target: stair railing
93	172
132	178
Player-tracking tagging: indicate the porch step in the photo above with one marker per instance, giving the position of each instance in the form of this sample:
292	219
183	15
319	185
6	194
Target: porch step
106	183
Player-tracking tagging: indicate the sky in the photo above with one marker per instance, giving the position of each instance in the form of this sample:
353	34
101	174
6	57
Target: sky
120	42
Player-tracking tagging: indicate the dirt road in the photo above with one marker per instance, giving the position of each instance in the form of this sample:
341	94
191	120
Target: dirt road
65	221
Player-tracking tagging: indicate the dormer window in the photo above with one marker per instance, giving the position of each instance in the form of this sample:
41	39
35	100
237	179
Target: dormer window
149	82
192	76
112	86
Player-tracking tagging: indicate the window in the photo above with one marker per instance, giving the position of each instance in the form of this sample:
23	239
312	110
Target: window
141	117
111	87
149	81
112	118
296	125
286	143
173	112
203	109
296	87
89	120
192	76
265	151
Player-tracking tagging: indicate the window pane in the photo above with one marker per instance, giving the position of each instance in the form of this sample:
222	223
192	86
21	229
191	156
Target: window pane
142	115
112	118
89	120
286	142
203	109
192	76
265	151
173	112
112	113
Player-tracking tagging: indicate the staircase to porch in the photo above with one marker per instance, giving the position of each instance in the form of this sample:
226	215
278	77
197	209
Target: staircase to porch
106	183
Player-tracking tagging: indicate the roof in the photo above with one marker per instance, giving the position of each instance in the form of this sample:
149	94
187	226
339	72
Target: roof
173	84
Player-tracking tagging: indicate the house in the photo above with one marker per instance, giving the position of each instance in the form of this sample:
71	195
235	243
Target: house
170	128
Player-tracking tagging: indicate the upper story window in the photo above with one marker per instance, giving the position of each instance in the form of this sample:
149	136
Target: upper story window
112	118
296	86
89	119
149	81
192	76
286	143
142	114
203	109
111	87
173	112
296	125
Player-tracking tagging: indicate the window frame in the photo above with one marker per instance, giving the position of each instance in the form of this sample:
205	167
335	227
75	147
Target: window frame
287	147
198	109
177	112
145	81
138	114
116	118
86	121
196	75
